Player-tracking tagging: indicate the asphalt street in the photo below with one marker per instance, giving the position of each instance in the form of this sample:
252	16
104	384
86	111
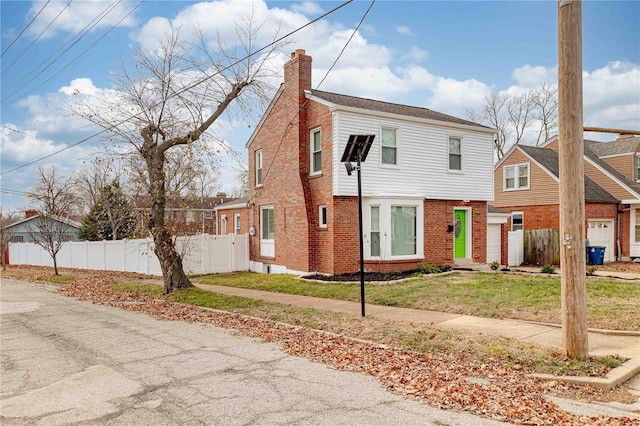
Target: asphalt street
64	361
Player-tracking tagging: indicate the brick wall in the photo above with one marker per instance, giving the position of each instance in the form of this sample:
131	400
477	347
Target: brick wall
230	213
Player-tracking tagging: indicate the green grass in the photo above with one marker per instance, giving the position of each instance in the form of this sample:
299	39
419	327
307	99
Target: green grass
611	303
416	337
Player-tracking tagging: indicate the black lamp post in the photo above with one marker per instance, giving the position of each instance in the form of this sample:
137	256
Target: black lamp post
356	150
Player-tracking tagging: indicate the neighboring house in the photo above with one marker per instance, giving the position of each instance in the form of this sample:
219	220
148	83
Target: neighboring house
425	183
21	231
527	185
233	217
184	216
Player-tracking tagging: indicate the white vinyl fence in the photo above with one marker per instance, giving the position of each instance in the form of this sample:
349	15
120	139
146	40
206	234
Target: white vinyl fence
516	248
201	254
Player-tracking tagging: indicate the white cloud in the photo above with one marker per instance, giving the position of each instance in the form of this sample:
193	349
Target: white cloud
80	86
80	15
307	8
415	54
404	30
530	77
21	146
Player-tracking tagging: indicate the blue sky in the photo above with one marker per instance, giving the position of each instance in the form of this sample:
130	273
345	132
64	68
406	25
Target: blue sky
442	55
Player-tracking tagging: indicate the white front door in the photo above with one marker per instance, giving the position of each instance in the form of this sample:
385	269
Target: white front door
267	232
600	233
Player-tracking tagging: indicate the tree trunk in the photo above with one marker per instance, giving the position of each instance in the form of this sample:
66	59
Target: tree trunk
55	265
170	261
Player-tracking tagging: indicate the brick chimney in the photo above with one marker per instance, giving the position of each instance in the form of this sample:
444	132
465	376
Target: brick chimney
297	74
30	213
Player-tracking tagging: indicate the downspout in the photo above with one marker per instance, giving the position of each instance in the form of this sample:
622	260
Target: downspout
618	246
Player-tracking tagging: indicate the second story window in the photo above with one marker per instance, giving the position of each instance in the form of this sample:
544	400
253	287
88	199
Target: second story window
258	160
636	168
516	177
455	153
316	152
389	147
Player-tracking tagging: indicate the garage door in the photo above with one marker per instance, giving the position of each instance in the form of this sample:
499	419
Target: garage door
493	242
600	233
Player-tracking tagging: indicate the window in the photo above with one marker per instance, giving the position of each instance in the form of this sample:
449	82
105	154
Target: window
636	168
236	223
403	230
516	177
455	153
316	152
394	228
517	221
638	225
17	239
389	147
258	159
267	232
322	216
190	216
223	224
375	231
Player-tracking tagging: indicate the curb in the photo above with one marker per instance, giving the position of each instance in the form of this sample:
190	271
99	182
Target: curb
615	377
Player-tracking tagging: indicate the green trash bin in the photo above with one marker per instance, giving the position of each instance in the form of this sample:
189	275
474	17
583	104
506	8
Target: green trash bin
596	255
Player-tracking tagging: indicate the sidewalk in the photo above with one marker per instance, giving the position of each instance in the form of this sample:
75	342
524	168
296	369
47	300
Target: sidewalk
601	342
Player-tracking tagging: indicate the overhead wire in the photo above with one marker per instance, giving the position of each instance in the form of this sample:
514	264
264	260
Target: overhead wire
24	29
290	123
36	39
71	43
208	77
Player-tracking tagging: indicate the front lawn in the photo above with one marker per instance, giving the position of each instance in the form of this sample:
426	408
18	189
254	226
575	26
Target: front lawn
612	304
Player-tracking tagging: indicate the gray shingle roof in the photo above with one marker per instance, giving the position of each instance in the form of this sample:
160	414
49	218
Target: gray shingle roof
588	152
617	147
381	106
548	158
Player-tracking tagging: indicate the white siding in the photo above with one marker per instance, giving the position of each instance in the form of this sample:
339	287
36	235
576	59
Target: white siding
423	160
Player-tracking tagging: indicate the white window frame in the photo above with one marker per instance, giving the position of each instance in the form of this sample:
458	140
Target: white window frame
236	223
267	245
459	138
313	151
516	177
636	167
385	226
516	214
258	164
322	216
396	146
223	224
190	216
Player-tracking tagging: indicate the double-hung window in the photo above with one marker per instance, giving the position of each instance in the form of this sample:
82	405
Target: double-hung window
316	152
258	162
636	167
375	231
389	146
455	153
517	221
516	177
236	223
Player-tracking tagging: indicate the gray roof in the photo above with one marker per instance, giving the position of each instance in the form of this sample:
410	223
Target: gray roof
237	203
588	152
548	159
381	106
617	147
65	220
492	209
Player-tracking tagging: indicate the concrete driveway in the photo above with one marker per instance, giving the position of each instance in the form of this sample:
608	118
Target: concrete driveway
65	361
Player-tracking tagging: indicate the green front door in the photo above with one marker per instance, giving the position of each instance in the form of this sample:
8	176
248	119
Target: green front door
460	234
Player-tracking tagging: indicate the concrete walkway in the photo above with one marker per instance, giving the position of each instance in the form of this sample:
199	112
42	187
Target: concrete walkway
601	342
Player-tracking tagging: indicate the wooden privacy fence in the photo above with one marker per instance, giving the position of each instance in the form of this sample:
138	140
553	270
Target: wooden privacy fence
201	254
542	246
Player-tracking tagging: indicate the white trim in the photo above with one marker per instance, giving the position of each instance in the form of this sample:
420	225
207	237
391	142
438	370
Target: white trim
255	166
461	169
616	155
267	246
514	213
516	177
397	147
326	218
312	132
223	221
236	223
610	176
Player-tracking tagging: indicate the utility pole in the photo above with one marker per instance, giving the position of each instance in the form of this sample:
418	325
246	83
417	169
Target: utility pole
571	155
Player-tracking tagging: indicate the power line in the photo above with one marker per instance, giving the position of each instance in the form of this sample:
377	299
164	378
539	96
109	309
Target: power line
37	38
79	36
24	29
81	53
286	130
184	89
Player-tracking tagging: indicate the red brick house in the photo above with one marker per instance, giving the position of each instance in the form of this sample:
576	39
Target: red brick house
527	185
233	217
426	183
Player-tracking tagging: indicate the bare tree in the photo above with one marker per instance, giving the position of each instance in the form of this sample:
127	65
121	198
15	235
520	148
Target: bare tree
545	100
168	100
54	196
517	117
6	235
494	114
91	180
